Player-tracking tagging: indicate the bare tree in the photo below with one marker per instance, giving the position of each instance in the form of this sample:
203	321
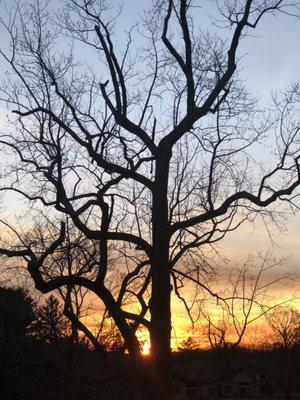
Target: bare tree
76	255
246	298
284	322
148	150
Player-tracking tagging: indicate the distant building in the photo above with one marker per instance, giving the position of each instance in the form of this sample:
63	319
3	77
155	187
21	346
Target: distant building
238	385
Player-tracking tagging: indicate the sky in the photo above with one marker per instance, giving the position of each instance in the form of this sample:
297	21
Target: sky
270	60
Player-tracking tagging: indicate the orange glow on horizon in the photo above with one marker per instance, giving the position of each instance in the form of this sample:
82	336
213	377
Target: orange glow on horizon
257	333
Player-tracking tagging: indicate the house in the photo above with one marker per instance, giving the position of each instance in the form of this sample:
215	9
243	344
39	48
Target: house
240	384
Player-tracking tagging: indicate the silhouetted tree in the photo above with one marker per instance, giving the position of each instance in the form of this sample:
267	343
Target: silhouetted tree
77	255
51	326
150	157
17	314
189	344
245	300
284	322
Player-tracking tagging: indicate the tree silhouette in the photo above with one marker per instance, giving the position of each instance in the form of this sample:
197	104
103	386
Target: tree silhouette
246	291
284	322
188	344
52	326
285	325
17	314
150	156
76	255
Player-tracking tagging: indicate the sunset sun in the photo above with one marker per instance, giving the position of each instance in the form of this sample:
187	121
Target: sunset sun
146	349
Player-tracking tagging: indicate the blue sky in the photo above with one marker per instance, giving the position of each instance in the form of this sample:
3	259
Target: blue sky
270	59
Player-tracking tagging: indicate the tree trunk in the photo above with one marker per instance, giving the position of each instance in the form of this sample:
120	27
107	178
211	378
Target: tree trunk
160	307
